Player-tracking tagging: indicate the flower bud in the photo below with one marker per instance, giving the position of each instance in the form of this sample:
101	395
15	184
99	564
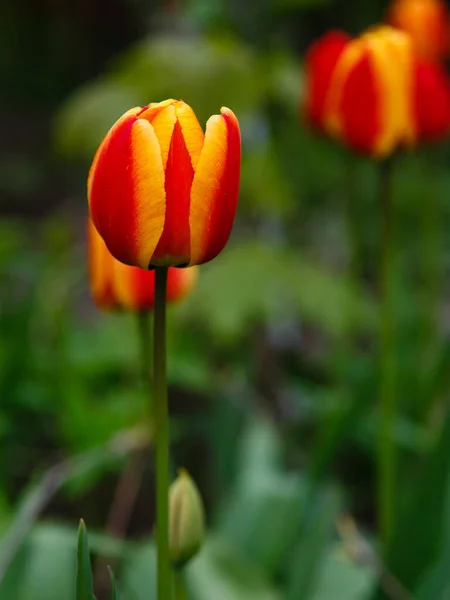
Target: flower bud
186	520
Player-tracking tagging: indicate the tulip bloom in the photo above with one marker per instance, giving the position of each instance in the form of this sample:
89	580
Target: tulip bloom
320	62
431	101
118	286
369	104
427	22
162	192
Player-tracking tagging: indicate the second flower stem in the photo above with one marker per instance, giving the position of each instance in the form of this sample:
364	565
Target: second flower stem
388	392
162	436
179	585
145	346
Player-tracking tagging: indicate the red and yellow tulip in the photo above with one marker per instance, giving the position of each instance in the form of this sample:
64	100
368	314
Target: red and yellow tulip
162	192
320	63
369	105
115	286
427	22
373	93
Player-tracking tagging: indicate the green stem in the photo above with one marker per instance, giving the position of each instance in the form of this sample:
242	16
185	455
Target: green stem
431	281
145	345
387	407
179	585
162	436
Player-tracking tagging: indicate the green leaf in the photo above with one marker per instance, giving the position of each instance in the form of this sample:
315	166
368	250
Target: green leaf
84	571
423	518
44	567
354	582
114	594
258	518
138	577
310	553
221	571
224	299
435	584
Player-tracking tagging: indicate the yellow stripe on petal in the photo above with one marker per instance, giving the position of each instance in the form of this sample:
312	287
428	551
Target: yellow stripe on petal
215	187
191	130
101	267
122	284
147	179
158	105
391	54
206	185
163	121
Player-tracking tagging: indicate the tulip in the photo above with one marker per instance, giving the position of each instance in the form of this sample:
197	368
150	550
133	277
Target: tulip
186	520
320	62
163	193
369	102
427	22
431	101
118	286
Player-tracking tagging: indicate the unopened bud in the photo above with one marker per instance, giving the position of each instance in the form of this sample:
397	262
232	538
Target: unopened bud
186	519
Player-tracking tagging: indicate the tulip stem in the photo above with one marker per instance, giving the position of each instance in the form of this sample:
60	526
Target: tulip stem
162	436
179	585
432	285
145	347
387	389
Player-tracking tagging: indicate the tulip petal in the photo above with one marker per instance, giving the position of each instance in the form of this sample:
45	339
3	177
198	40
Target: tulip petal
163	118
134	287
427	22
174	245
320	62
126	191
370	102
215	188
192	130
125	117
431	100
389	46
360	106
180	282
351	112
101	265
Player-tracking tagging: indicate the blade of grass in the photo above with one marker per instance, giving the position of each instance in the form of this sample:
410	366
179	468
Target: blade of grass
114	594
84	570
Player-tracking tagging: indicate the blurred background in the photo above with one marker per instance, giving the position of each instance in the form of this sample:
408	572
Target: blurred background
272	359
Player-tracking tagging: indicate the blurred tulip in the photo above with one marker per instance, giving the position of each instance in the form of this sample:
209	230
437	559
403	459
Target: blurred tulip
163	193
118	286
320	62
427	22
431	100
186	520
369	105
